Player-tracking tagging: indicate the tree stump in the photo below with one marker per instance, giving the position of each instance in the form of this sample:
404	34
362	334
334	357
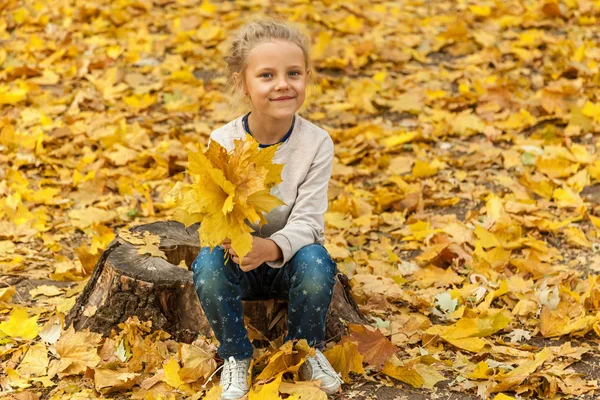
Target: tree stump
125	284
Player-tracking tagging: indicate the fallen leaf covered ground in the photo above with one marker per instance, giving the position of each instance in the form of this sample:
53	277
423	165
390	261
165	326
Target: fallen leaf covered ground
464	202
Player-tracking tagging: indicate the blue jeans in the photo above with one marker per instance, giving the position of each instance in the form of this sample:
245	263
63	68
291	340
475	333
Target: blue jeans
305	281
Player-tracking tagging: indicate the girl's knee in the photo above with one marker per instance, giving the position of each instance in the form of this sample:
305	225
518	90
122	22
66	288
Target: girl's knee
314	259
314	271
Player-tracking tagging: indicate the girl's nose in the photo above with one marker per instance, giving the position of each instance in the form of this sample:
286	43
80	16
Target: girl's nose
282	84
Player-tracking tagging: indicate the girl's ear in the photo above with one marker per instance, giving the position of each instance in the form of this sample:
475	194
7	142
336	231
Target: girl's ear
237	79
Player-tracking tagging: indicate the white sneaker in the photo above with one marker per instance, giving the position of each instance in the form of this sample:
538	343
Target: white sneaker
234	378
318	367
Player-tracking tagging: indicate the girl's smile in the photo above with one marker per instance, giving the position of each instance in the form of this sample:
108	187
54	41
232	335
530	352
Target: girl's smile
283	98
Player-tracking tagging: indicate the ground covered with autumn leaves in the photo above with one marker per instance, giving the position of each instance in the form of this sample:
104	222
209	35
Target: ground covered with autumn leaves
464	202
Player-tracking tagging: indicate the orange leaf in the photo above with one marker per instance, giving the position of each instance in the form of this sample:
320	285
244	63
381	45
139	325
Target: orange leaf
375	347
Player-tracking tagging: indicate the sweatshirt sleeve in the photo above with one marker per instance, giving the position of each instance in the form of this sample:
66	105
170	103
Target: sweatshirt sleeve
306	222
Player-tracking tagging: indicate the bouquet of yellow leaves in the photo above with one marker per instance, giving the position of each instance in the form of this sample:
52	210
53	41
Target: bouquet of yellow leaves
228	188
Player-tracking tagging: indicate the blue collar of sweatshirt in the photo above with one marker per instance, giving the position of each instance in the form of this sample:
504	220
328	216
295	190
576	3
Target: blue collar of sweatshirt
247	129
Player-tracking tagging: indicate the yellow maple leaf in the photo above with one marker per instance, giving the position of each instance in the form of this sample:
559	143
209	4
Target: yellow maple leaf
398	138
269	391
556	167
481	371
10	95
145	242
565	197
172	377
134	238
595	221
19	326
101	237
288	358
594	170
107	380
592	110
83	218
429	374
67	270
140	102
78	351
7	293
404	374
45	290
576	237
88	260
303	390
197	363
114	51
486	238
423	168
361	94
438	277
150	246
467	124
345	358
579	181
228	188
512	379
16	380
351	24
495	258
502	396
35	362
466	332
568	318
482	11
337	220
407	102
214	393
519	121
580	154
321	45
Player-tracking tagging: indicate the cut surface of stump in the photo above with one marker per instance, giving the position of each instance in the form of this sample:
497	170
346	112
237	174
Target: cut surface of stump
126	284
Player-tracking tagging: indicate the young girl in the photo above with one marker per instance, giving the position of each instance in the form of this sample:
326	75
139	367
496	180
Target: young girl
269	66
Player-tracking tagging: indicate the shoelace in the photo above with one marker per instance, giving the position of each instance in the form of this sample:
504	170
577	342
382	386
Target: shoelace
211	376
232	363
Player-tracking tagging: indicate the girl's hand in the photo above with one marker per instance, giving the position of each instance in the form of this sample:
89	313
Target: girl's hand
263	250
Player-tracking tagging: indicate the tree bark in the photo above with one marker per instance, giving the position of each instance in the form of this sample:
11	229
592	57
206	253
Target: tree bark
125	284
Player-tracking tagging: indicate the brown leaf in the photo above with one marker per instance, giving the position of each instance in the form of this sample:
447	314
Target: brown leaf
375	347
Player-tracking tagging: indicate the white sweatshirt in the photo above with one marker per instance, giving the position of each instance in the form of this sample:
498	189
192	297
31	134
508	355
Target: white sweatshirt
307	156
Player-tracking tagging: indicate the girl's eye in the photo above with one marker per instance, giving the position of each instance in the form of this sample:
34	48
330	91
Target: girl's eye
265	75
295	73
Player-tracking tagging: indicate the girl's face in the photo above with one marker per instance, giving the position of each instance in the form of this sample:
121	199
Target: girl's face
275	79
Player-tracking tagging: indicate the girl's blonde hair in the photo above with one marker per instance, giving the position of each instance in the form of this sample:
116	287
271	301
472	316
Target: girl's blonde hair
251	35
